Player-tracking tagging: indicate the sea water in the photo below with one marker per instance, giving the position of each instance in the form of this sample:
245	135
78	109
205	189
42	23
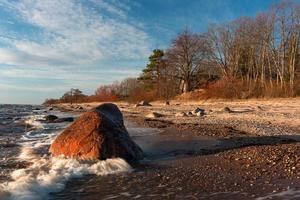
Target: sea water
26	139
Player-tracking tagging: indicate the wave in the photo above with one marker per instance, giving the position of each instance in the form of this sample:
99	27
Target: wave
35	121
46	174
49	174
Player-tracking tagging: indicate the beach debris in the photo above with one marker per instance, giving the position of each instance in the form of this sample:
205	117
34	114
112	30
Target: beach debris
97	134
180	114
143	103
154	115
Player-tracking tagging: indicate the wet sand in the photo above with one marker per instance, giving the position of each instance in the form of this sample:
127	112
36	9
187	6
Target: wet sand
190	158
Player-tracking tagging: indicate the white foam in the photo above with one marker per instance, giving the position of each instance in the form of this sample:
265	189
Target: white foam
35	121
49	174
288	194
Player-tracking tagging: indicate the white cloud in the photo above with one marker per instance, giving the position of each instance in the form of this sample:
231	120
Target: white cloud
74	34
58	80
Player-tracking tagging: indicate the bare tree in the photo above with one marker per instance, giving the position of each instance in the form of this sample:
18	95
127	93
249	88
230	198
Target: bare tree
186	56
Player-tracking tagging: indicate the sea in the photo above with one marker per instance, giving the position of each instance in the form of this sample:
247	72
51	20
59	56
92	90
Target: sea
27	170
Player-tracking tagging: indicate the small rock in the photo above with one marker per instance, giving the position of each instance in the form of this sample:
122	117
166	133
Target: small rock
154	115
143	103
198	112
64	119
227	109
50	108
190	114
167	103
50	118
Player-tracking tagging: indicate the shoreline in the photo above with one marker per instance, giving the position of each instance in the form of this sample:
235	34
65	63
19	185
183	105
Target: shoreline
244	166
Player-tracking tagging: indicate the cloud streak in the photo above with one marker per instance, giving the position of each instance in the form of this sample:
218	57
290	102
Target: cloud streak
71	33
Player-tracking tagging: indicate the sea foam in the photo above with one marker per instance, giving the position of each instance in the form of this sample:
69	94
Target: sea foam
46	174
49	174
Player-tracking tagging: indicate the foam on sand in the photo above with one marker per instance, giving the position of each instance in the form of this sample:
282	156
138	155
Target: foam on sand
49	174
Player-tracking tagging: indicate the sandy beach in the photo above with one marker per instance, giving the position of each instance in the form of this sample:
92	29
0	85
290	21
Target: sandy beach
249	152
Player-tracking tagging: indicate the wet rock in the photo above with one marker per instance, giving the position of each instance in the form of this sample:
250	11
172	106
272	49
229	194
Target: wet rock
143	103
180	114
154	115
50	118
64	119
51	108
98	134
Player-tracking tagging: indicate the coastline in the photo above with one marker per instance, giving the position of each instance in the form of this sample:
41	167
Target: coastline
245	165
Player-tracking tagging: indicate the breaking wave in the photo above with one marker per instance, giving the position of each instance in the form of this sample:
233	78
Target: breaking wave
46	174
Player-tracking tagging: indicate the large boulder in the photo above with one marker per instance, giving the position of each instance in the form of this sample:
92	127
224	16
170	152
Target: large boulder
98	134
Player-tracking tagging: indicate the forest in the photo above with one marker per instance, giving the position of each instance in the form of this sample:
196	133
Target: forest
250	57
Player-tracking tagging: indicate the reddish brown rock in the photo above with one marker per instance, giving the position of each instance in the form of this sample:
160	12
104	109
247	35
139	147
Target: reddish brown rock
97	134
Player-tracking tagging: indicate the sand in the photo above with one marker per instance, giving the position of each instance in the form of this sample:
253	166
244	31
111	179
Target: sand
252	152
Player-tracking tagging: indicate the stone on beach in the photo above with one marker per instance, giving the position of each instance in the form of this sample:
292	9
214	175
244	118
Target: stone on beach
227	109
154	115
198	112
50	118
190	114
64	119
143	103
98	134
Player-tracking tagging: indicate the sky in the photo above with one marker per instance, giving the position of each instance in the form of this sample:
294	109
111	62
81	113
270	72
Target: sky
50	46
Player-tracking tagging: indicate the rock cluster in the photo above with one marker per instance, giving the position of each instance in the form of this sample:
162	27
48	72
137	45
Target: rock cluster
197	112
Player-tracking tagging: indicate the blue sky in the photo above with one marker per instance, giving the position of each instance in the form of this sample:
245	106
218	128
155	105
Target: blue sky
50	46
